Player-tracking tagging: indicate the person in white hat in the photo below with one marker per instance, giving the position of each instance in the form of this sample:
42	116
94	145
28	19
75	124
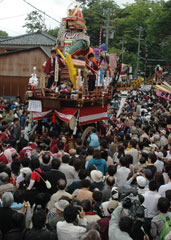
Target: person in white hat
163	139
56	214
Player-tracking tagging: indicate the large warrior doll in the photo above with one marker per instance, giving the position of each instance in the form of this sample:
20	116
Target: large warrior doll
72	37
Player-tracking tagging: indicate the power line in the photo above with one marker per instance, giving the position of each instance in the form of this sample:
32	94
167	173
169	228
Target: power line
13	17
41	11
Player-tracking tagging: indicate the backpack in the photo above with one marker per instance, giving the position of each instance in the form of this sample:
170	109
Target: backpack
166	227
44	184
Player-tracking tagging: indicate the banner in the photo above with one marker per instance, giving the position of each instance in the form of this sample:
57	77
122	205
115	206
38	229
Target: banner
41	115
65	114
164	94
92	114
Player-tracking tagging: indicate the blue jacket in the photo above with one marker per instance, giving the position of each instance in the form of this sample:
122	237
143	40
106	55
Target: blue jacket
100	164
93	140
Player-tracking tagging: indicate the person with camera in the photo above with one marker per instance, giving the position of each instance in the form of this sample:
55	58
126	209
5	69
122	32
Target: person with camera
66	230
120	227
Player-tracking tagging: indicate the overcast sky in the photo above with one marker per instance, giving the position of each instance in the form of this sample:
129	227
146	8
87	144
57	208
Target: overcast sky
14	12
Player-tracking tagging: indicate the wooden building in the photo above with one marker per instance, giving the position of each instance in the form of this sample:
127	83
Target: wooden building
18	56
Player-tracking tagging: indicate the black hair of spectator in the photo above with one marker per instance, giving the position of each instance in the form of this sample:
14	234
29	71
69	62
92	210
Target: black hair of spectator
152	157
142	160
82	174
168	194
70	214
18	221
34	163
169	174
65	158
167	167
93	130
46	158
25	162
163	205
55	163
2	165
78	141
41	199
133	143
153	185
97	154
145	155
15	166
129	159
60	146
85	183
97	196
86	204
110	181
125	224
112	169
159	179
61	184
90	150
123	162
39	219
19	196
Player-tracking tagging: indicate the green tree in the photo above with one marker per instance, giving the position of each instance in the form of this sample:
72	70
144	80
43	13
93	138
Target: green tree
3	33
34	22
53	32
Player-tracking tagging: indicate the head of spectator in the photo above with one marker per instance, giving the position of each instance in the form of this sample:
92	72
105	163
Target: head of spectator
132	143
163	205
7	199
55	163
97	154
93	226
82	174
86	204
92	235
78	142
96	176
4	178
152	158
65	158
41	200
141	181
70	214
125	224
60	206
39	219
110	181
112	205
90	151
25	162
60	146
97	196
123	162
46	158
34	163
112	169
85	183
18	221
61	184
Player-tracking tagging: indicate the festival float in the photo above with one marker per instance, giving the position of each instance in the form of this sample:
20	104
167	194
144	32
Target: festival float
69	98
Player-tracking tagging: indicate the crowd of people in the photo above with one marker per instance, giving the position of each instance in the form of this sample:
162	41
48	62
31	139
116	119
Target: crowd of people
114	185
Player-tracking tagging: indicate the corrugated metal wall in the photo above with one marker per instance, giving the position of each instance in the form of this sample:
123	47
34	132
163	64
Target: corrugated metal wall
16	69
13	86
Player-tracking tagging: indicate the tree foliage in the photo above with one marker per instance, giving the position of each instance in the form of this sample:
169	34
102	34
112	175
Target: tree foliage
3	33
153	16
34	22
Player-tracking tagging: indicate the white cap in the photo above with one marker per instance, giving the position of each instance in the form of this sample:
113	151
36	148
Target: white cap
141	181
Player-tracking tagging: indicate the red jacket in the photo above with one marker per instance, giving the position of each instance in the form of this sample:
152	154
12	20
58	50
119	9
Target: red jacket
49	68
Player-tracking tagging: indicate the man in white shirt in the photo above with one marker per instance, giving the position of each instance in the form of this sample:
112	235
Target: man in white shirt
122	173
151	198
68	170
66	230
165	187
133	151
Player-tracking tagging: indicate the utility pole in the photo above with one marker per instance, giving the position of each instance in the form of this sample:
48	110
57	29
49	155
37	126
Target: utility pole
109	30
123	42
140	29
